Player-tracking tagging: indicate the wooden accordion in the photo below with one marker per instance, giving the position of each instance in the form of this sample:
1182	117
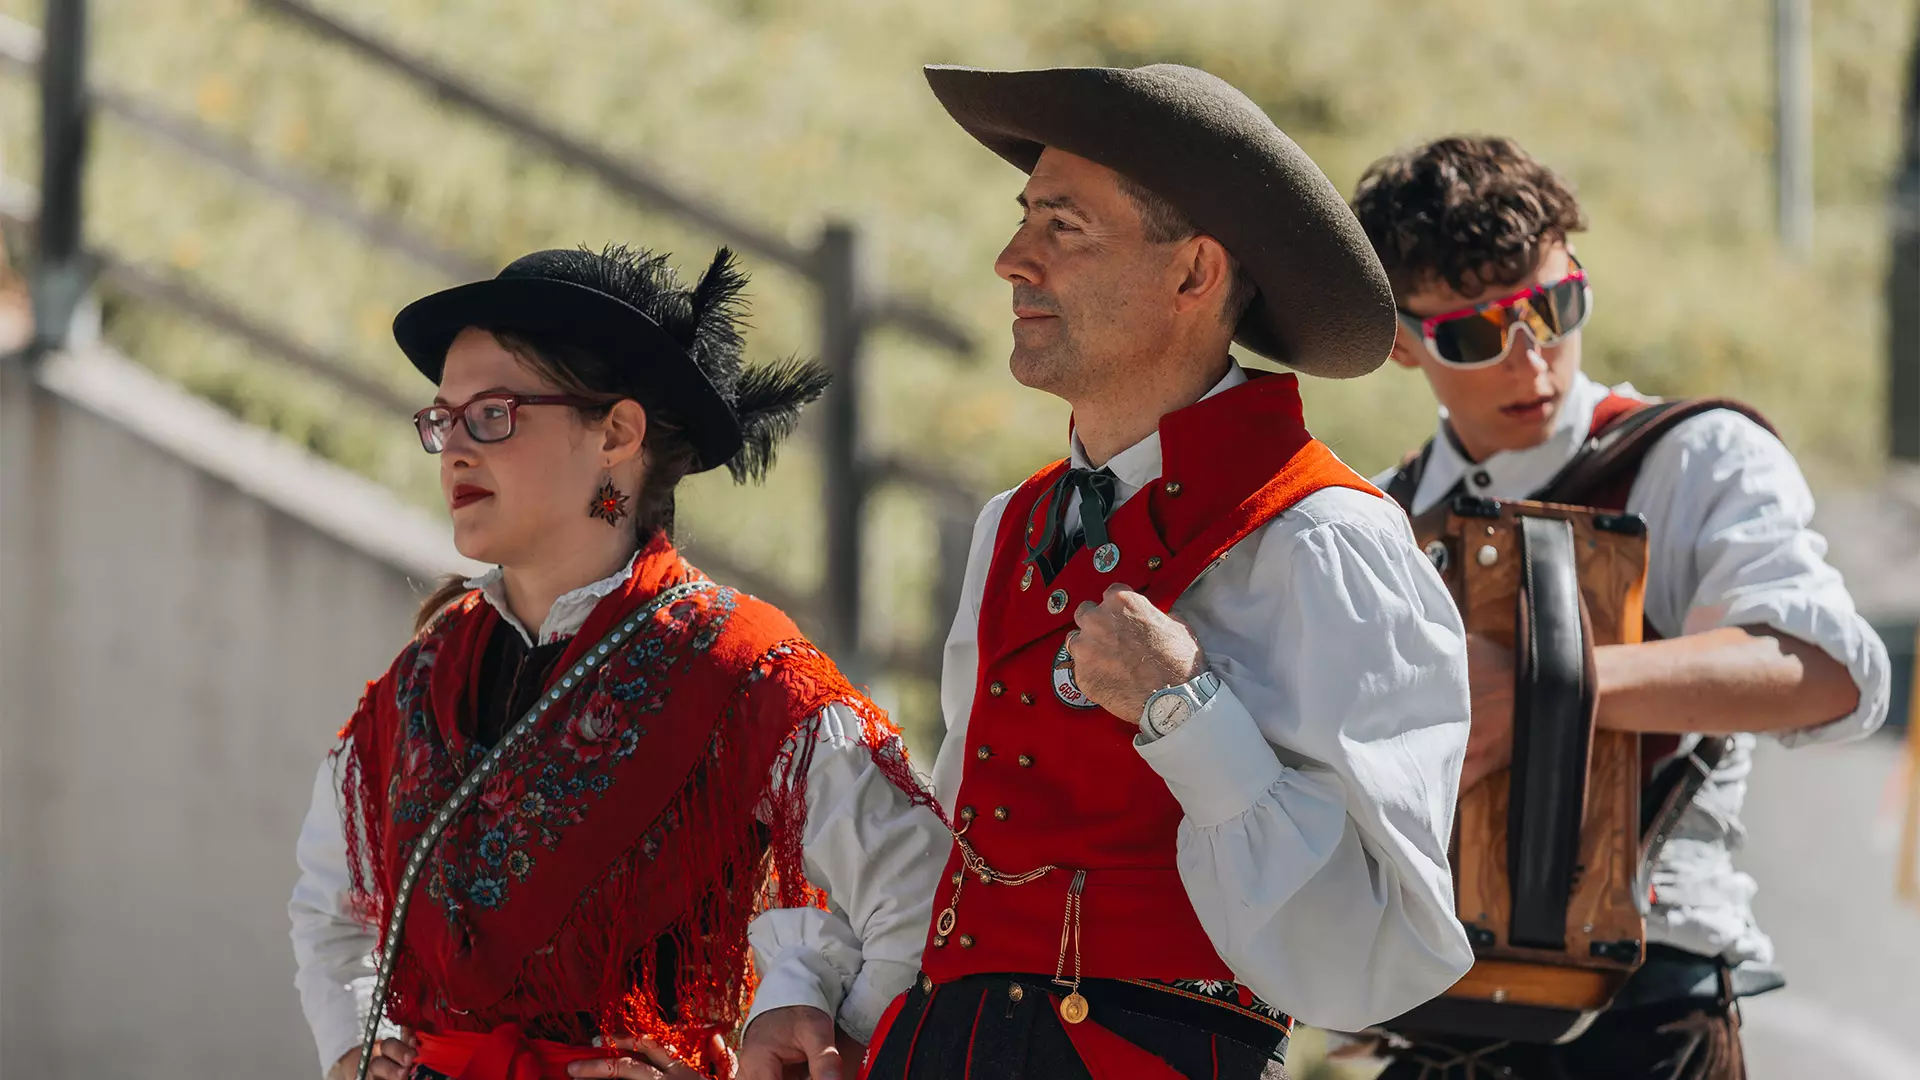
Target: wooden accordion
1549	863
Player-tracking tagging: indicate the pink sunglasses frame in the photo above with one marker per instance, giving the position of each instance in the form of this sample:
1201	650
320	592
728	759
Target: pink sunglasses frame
1426	326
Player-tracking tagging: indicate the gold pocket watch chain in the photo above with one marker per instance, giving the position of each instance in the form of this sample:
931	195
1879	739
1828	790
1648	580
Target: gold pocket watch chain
1074	1008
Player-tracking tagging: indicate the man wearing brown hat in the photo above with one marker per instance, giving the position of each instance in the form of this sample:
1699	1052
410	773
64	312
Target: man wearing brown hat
1206	702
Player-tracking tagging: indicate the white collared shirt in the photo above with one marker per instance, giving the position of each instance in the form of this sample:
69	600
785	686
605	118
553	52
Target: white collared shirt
1729	543
569	611
1318	784
877	856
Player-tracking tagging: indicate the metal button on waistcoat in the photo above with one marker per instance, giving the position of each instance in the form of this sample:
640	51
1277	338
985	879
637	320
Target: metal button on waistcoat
997	688
1173	488
999	813
1153	562
1026	699
983	753
966	941
926	984
1016	992
966	813
958	877
1026	761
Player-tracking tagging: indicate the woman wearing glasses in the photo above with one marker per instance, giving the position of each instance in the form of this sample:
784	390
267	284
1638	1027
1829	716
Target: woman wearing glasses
1750	630
598	791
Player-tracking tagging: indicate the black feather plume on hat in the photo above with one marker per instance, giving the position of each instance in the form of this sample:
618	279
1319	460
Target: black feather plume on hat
768	400
708	321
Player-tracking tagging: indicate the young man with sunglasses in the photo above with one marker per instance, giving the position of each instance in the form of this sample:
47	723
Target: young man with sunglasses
1750	630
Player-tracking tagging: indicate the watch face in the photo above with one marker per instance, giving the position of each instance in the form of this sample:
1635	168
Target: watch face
1167	710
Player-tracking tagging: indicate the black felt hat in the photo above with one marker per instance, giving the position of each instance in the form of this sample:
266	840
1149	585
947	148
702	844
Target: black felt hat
1324	305
681	346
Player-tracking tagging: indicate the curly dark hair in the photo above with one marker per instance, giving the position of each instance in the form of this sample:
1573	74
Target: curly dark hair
1472	211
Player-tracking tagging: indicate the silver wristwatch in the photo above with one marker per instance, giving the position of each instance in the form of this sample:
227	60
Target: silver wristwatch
1168	709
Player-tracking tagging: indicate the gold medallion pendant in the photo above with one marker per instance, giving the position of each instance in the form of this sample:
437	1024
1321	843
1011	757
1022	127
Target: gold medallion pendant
1073	1008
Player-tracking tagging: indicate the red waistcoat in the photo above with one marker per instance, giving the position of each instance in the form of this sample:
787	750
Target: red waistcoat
1047	783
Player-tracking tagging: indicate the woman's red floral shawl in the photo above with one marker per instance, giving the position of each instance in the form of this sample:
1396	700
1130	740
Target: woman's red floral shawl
647	819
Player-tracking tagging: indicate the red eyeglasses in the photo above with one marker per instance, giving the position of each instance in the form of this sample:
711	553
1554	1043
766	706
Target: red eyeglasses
489	417
1474	337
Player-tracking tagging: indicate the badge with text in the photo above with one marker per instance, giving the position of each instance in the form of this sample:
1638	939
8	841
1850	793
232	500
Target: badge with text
1064	687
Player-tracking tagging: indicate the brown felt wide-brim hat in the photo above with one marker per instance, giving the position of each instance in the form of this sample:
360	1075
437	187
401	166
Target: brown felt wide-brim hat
1324	307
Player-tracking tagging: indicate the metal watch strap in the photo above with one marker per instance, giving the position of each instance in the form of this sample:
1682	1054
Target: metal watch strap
470	786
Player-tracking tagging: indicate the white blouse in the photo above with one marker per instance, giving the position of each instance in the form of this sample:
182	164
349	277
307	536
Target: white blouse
1319	782
875	854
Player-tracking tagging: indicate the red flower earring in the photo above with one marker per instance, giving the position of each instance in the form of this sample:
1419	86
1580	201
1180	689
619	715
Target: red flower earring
608	504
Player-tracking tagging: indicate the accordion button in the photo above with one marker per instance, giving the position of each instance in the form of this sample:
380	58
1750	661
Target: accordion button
1488	555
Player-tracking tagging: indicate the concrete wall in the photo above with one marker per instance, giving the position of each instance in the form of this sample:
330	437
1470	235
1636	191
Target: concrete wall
187	615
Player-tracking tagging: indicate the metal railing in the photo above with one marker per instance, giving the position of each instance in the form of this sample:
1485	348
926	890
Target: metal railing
850	309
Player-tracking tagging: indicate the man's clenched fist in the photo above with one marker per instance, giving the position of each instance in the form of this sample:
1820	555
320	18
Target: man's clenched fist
1126	649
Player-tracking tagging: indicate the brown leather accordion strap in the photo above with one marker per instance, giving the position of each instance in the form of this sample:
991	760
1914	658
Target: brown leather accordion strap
1553	715
1405	483
1664	800
1615	454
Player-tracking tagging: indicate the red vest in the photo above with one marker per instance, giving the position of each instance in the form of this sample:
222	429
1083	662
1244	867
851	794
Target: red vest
1046	783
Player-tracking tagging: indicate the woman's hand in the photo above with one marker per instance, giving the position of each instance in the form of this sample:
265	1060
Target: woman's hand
650	1061
391	1060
